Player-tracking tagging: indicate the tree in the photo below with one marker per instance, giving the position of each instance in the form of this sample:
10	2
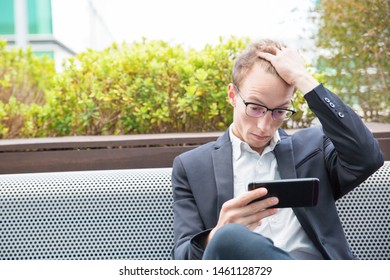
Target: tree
355	36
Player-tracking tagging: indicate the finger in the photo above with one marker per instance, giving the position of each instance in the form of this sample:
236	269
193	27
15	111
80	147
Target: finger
263	204
254	225
264	214
258	210
264	55
255	220
249	196
278	50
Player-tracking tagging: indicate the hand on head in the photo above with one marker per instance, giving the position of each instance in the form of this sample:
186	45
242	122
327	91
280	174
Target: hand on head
290	67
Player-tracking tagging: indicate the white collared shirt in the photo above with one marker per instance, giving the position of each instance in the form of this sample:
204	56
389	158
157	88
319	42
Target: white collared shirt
283	228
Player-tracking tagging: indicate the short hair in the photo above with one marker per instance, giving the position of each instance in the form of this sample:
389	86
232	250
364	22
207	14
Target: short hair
245	61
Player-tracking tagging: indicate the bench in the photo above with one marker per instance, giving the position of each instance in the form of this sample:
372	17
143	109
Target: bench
126	214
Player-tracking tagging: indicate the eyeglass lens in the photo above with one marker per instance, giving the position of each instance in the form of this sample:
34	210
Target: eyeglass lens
257	111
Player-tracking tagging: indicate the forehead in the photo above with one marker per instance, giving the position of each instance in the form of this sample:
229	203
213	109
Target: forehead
261	76
260	85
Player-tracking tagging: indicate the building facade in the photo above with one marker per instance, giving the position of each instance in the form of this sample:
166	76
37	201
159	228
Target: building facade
56	28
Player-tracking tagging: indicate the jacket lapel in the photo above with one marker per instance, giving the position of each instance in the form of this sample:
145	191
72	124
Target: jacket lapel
223	169
285	157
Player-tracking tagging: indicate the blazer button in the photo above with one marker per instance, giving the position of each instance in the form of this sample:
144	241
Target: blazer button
341	115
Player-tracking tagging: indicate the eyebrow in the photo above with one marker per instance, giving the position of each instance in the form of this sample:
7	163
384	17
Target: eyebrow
259	102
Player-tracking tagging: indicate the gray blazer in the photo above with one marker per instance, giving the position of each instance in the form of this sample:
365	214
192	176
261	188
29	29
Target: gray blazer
342	154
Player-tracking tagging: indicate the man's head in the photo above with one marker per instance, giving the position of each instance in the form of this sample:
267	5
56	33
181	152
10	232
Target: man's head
255	81
248	58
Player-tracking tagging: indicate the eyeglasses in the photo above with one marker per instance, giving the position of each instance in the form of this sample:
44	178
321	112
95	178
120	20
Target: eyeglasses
257	111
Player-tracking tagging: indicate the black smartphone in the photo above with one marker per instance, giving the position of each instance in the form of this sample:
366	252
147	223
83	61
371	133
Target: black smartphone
300	192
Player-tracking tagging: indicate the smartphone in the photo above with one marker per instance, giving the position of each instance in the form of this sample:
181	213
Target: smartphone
300	192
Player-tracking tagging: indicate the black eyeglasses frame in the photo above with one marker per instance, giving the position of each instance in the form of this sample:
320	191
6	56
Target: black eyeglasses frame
291	111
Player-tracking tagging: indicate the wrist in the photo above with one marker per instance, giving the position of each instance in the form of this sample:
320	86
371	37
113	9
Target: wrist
306	83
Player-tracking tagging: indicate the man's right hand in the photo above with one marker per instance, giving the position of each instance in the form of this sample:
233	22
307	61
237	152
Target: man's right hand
240	210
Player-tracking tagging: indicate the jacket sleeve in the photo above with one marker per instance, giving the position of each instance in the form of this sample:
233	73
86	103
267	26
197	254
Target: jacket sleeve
186	217
351	152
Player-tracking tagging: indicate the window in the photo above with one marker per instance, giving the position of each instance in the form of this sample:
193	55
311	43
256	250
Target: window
38	12
39	17
7	25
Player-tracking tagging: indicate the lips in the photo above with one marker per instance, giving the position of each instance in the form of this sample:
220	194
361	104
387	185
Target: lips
260	137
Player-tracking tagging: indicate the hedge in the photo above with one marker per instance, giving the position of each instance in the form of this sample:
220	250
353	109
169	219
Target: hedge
142	87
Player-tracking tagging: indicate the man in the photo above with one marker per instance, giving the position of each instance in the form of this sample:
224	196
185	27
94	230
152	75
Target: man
213	214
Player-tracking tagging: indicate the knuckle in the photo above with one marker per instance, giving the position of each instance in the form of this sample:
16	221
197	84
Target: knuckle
272	201
253	207
226	207
232	218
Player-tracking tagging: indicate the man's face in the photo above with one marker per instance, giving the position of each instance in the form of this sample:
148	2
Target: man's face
264	89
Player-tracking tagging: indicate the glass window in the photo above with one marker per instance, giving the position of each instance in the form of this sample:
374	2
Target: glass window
39	17
7	25
49	54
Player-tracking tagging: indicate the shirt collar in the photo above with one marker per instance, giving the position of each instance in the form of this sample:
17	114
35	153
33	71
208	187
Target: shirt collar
240	146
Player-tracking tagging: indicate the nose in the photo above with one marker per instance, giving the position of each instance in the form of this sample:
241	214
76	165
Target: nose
265	122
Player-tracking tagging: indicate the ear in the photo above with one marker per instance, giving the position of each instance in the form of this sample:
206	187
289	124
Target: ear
232	95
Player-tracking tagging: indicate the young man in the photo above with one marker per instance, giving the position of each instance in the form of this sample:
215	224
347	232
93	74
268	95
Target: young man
213	214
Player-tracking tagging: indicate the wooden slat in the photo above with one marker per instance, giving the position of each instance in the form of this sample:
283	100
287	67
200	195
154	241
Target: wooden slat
174	139
384	143
101	159
115	152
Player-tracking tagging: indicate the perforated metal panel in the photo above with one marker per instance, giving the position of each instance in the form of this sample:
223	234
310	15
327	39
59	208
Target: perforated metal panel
365	216
121	214
126	214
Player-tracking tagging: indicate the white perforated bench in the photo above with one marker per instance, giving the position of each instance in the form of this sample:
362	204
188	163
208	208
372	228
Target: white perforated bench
127	214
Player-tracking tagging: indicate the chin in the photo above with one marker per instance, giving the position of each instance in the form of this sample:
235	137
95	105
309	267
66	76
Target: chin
256	147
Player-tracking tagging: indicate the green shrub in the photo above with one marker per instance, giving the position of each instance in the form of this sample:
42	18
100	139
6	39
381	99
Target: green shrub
24	78
143	87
